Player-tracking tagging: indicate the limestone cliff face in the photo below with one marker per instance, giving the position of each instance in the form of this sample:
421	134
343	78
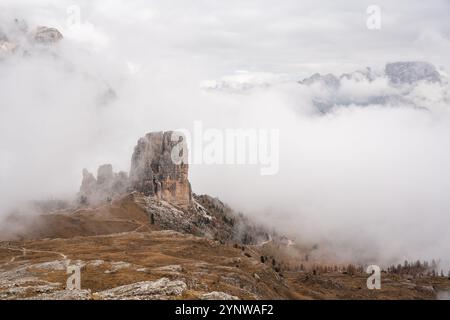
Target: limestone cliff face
153	171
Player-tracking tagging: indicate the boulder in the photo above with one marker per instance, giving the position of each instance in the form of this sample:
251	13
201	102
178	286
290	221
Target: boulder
159	170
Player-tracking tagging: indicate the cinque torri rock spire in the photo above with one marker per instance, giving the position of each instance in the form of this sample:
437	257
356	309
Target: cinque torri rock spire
107	185
153	173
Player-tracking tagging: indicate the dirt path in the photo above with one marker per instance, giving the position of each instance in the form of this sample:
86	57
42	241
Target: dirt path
25	250
141	225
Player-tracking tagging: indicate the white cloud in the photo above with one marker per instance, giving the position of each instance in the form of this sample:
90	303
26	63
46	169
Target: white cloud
374	177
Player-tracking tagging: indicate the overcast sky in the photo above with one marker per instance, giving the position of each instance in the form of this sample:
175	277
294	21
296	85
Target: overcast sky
287	36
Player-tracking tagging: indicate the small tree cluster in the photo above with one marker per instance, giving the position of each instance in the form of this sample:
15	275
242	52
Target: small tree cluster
417	269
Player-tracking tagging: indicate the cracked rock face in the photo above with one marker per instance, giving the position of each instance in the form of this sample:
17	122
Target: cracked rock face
218	296
18	40
159	170
153	171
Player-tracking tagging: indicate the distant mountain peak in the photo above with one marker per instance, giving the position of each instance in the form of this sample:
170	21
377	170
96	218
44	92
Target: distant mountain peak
411	72
395	86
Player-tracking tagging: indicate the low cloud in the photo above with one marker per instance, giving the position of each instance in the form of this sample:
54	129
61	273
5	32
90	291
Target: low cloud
366	180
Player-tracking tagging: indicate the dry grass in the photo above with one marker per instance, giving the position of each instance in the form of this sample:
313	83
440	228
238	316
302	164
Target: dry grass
120	233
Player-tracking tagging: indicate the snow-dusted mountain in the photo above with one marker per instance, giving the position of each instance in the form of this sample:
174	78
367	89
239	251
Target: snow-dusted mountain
398	73
400	84
411	72
414	84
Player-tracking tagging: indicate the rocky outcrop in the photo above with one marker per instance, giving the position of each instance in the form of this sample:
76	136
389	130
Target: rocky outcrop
215	295
161	289
103	189
159	170
88	184
155	172
17	39
206	217
46	35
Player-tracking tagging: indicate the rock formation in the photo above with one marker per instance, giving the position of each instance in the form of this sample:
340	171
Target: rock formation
46	35
17	39
145	290
217	296
158	184
103	189
153	171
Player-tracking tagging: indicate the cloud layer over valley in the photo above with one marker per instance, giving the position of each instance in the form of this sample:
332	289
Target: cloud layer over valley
364	166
